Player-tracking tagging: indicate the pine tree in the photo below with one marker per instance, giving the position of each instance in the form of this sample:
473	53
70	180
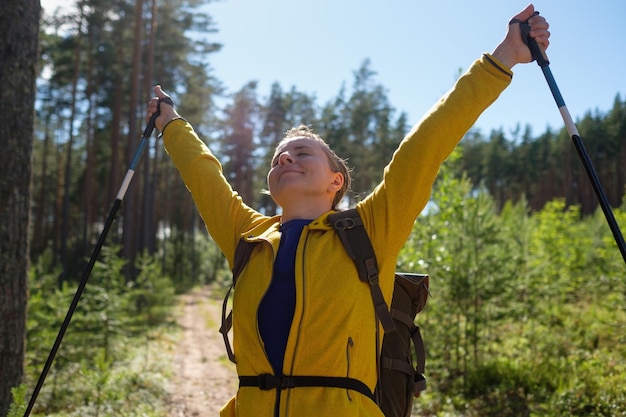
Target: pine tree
19	26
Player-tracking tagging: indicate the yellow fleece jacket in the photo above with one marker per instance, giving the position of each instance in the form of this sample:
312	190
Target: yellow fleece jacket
334	326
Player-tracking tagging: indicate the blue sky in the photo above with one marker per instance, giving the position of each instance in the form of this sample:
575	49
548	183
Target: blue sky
417	48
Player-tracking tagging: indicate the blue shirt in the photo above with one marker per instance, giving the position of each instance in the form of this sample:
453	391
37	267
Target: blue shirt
279	302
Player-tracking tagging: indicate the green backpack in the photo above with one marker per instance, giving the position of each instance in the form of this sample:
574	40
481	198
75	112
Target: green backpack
399	379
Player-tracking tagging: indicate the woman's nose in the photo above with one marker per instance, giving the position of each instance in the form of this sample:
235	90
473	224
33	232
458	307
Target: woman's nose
285	158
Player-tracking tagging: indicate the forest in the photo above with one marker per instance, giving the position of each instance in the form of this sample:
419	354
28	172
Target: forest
527	313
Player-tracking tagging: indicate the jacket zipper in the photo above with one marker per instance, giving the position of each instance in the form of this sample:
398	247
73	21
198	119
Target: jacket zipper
277	402
306	240
348	351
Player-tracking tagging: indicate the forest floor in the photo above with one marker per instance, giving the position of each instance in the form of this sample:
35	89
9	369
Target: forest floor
203	378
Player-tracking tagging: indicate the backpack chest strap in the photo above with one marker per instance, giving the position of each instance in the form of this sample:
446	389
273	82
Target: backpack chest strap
269	382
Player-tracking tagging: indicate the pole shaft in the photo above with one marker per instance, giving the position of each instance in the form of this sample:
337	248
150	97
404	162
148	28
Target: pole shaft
584	157
73	305
538	54
92	261
597	187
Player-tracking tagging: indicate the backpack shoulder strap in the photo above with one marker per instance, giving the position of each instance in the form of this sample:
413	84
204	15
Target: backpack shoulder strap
356	241
242	256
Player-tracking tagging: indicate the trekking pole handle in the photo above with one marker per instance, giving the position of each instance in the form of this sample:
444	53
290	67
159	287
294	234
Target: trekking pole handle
537	53
152	122
148	131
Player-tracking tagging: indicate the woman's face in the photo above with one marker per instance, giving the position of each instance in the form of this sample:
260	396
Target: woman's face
300	169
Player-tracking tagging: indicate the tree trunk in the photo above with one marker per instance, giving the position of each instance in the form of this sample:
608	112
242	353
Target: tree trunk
116	121
130	237
89	197
67	185
40	237
148	242
19	28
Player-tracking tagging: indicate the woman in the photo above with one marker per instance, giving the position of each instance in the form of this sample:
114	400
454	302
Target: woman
299	306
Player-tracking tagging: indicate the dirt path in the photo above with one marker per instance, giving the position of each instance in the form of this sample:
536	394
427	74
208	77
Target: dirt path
203	379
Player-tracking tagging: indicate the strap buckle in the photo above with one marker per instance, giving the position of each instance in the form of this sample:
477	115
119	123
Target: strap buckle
345	223
268	382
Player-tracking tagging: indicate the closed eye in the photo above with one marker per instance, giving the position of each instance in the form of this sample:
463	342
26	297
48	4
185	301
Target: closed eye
300	151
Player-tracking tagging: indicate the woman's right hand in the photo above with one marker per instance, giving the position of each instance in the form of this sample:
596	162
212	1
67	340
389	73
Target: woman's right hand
512	50
168	112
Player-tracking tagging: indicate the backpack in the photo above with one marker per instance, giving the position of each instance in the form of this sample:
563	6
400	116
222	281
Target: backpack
399	379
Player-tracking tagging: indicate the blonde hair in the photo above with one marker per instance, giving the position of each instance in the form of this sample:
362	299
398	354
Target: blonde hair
336	163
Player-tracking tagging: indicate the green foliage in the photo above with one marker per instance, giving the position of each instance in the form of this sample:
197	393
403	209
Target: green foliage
527	313
151	295
193	260
546	167
111	359
19	404
499	387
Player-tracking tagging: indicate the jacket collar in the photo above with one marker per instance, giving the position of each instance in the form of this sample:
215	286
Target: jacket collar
268	229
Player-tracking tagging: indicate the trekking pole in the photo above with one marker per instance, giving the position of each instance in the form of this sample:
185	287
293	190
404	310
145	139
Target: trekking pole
542	60
107	225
